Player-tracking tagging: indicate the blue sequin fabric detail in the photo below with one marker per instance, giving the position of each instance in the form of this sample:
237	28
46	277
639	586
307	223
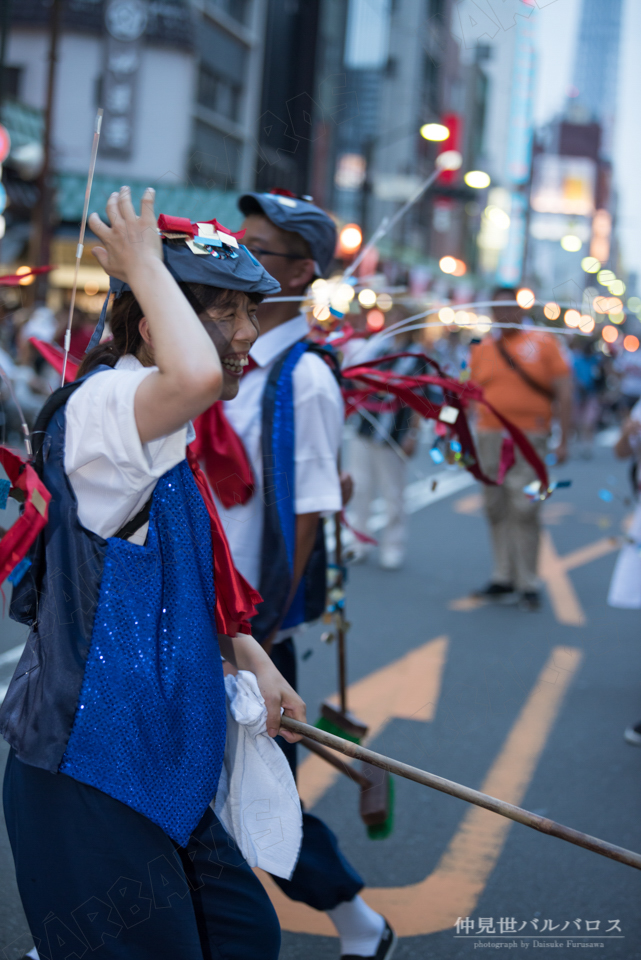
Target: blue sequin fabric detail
149	728
283	442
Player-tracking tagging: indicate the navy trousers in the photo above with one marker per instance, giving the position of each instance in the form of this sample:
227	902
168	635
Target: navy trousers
323	878
98	879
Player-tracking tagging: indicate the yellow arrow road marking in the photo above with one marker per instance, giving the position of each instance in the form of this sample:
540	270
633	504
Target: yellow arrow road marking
453	889
553	571
593	551
565	603
408	688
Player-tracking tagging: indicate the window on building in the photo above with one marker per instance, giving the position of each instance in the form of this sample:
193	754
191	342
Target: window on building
215	158
12	82
238	9
430	84
219	93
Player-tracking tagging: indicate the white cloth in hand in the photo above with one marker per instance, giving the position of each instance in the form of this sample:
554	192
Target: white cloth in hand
257	801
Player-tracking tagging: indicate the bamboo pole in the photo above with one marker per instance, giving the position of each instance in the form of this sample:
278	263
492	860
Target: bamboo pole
340	631
335	761
542	824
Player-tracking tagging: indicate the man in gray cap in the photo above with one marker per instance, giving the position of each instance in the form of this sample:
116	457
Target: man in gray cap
289	416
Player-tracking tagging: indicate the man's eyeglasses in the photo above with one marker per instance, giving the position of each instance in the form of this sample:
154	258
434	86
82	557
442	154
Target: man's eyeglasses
259	251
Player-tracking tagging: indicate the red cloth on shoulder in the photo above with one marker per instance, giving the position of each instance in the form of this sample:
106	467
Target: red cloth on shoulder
236	600
219	448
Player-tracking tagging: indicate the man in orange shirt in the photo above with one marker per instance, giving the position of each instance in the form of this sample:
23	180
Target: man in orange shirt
523	374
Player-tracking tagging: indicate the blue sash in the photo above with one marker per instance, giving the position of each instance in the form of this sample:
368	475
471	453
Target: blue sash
279	524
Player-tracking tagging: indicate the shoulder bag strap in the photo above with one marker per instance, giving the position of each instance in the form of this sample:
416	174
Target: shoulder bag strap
525	377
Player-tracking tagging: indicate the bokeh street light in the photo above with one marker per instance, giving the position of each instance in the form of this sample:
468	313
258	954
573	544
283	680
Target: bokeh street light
435	132
525	298
349	240
477	179
591	264
452	266
449	160
571	243
552	311
26	280
367	297
375	320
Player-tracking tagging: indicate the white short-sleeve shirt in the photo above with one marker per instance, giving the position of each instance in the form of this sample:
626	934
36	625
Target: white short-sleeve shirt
318	424
111	472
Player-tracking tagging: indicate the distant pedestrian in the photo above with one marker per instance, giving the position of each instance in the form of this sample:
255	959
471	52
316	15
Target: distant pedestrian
386	438
625	586
628	366
588	383
523	374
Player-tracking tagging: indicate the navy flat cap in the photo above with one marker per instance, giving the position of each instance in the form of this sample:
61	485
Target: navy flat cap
298	216
205	253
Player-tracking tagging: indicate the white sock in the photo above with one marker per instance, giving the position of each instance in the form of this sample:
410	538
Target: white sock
359	927
33	954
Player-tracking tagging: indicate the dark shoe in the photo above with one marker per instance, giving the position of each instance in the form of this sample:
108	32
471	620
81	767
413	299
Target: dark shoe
530	600
633	735
495	591
385	950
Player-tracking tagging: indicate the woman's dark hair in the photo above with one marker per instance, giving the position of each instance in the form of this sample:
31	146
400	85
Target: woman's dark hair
126	315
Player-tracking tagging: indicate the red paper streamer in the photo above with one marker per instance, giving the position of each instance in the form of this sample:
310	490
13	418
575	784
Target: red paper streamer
55	355
17	540
457	395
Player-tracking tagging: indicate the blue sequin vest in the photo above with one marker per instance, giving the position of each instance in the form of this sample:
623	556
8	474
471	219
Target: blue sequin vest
120	685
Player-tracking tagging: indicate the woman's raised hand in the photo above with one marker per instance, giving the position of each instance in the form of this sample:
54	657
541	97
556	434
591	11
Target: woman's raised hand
131	241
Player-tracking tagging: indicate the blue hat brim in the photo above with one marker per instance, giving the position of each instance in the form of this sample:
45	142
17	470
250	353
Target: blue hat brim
298	216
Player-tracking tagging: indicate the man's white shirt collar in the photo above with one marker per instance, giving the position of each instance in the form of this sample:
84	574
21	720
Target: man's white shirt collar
271	344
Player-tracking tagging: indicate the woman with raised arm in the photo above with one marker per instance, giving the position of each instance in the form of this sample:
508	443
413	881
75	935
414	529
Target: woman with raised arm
116	712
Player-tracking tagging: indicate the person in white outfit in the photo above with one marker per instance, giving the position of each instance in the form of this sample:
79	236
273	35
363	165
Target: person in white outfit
625	586
379	454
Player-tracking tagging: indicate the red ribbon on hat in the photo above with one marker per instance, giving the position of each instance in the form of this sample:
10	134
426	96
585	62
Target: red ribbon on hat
176	225
218	226
16	541
169	224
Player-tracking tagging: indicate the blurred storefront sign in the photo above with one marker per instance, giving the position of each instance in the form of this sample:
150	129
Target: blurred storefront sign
351	170
368	32
519	149
564	185
126	21
601	231
549	227
398	186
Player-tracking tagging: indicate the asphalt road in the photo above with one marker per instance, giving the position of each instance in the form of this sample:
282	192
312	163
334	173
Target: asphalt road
534	704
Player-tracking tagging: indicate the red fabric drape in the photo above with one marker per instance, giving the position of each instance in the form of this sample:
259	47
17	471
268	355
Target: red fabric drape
219	448
236	600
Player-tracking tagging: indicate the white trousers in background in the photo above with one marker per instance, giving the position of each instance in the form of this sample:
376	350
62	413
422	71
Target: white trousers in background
625	586
377	470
